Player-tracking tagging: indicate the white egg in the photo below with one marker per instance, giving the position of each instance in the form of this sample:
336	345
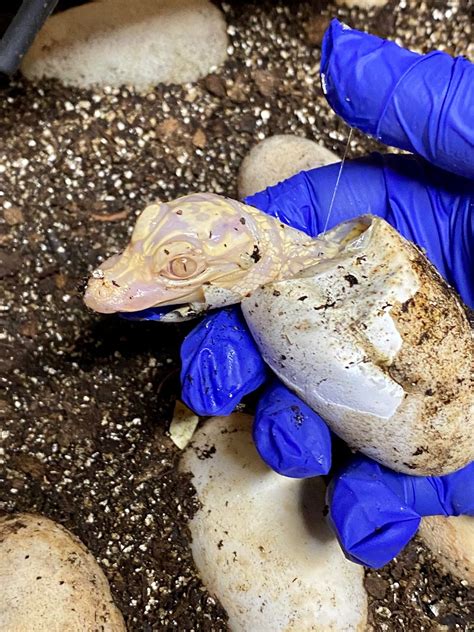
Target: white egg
261	543
375	341
49	580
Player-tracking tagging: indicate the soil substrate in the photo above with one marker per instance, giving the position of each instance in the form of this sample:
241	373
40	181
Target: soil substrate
87	400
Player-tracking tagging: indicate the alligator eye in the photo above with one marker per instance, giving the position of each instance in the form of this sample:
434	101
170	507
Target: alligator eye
182	267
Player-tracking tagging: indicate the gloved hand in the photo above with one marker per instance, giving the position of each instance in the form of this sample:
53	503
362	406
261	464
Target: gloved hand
420	103
375	512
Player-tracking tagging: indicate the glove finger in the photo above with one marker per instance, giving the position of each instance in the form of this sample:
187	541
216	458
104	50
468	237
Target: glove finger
449	495
421	103
220	364
372	524
290	437
153	313
454	493
426	205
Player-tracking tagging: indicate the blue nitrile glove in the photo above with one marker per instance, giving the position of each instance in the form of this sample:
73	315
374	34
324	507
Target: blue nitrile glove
218	352
426	204
289	436
422	103
375	512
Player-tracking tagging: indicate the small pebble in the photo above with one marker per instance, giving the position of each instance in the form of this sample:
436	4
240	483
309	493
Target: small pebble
376	586
279	157
13	215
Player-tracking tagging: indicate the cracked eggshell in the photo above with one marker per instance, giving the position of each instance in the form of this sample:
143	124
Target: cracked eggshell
49	582
376	342
261	543
451	541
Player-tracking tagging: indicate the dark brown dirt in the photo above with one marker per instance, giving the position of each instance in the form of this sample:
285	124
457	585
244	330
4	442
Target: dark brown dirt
86	400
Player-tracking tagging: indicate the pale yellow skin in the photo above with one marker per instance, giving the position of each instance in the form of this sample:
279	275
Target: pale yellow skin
201	249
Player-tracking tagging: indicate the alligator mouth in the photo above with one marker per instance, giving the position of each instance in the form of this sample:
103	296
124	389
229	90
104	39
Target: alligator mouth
152	313
169	314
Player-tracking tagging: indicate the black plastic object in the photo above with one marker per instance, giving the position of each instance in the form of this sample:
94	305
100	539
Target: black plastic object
21	31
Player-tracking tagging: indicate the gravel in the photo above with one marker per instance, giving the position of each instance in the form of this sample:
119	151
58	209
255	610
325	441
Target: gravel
87	400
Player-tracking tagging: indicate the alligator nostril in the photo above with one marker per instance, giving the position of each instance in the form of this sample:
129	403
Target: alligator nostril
99	289
105	289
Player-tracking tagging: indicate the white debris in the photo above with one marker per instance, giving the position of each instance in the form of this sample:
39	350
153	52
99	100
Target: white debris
183	425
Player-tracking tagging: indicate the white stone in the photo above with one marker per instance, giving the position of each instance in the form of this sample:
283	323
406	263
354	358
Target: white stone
49	582
261	543
278	158
452	542
362	4
139	43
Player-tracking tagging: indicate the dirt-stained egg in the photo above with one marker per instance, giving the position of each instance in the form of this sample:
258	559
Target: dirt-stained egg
377	343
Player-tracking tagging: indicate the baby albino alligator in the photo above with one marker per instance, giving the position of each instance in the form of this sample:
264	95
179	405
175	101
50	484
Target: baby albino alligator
357	322
201	251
